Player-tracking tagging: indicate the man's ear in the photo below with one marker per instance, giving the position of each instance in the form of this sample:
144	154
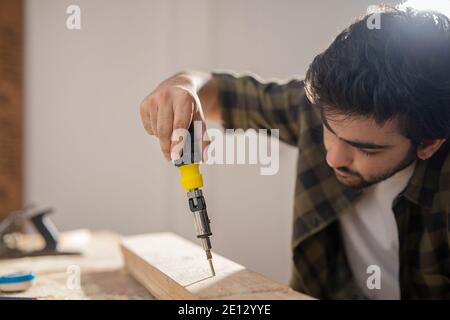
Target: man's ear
428	147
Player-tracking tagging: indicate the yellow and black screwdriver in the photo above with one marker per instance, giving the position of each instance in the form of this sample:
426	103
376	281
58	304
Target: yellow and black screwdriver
192	182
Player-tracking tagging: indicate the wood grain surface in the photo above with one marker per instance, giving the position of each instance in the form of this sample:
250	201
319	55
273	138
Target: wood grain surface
171	267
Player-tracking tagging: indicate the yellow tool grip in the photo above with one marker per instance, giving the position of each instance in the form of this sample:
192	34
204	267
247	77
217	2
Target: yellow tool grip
191	177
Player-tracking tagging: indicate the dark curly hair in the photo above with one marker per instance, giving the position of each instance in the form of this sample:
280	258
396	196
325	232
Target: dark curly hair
399	70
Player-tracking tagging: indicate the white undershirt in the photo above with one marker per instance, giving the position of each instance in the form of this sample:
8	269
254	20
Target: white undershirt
370	236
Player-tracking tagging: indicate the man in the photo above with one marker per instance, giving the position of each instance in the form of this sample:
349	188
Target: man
371	122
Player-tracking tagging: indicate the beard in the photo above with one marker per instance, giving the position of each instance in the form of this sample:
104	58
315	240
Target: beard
357	181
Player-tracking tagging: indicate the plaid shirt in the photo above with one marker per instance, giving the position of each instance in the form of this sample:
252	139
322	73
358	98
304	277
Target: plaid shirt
320	266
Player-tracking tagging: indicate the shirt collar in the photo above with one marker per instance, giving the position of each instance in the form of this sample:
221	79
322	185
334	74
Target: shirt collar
427	177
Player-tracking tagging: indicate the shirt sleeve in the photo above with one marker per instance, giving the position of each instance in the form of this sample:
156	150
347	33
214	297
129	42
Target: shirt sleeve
249	103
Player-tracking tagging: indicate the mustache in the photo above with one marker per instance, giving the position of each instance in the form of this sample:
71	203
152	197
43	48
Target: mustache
348	171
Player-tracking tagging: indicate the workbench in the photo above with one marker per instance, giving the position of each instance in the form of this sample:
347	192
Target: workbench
99	270
165	264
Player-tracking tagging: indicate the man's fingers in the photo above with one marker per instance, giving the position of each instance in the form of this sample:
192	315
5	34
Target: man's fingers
145	117
164	128
153	118
182	120
168	113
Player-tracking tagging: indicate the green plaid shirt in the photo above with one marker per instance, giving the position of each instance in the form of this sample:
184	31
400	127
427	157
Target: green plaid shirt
320	266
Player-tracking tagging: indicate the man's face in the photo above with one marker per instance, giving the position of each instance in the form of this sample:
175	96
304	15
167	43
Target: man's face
363	153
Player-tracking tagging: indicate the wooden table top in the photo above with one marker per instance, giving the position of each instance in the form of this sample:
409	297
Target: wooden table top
96	274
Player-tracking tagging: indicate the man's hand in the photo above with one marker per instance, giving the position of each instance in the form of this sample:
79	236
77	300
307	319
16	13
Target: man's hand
175	104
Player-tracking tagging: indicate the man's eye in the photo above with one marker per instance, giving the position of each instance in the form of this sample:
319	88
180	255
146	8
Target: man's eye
366	153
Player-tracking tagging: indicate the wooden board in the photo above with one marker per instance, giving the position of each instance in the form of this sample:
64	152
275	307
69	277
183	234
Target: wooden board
171	267
10	106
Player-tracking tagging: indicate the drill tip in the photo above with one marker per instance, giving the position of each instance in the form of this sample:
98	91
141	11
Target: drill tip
211	266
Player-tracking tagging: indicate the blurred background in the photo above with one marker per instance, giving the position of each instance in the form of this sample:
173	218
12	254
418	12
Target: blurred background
84	151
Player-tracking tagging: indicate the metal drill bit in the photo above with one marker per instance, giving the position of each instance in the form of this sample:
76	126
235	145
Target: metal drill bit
211	266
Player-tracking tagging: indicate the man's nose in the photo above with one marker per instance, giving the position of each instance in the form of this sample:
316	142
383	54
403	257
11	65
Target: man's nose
339	155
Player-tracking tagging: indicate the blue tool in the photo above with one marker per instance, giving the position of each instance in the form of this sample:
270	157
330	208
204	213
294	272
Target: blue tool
17	282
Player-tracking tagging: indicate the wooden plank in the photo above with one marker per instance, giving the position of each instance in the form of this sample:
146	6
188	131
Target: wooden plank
171	267
10	106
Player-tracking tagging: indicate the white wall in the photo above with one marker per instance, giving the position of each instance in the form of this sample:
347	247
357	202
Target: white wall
86	153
